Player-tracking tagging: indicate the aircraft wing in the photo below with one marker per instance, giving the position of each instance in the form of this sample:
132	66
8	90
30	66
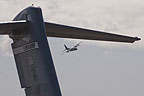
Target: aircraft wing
78	44
57	30
7	27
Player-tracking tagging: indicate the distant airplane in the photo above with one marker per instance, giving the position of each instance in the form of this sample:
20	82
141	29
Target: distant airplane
32	54
71	49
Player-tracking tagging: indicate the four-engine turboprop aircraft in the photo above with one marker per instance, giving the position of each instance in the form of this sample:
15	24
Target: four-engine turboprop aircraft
71	49
31	50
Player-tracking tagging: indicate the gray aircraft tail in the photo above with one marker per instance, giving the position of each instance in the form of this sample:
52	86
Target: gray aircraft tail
32	55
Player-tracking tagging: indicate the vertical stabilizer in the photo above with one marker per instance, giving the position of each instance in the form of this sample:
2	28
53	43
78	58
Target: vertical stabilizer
66	47
33	58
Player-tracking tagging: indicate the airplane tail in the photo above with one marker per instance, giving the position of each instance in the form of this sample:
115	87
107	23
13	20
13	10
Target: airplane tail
32	54
66	47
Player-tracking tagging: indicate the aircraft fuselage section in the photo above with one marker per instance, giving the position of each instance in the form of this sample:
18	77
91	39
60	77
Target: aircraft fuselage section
73	49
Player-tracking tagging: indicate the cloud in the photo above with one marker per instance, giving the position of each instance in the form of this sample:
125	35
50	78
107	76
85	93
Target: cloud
116	16
5	45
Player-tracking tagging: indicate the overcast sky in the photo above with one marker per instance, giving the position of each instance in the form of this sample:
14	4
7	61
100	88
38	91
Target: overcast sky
97	68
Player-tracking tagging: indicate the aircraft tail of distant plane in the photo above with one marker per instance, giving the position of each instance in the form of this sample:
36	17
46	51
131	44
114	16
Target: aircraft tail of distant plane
66	48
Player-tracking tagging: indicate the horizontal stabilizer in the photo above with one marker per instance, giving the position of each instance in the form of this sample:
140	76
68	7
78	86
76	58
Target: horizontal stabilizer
7	27
57	30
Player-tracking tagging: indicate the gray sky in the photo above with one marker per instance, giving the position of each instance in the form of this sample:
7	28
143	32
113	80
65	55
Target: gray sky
97	68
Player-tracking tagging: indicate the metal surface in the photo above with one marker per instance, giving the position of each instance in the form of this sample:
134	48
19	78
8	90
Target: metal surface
7	27
58	30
